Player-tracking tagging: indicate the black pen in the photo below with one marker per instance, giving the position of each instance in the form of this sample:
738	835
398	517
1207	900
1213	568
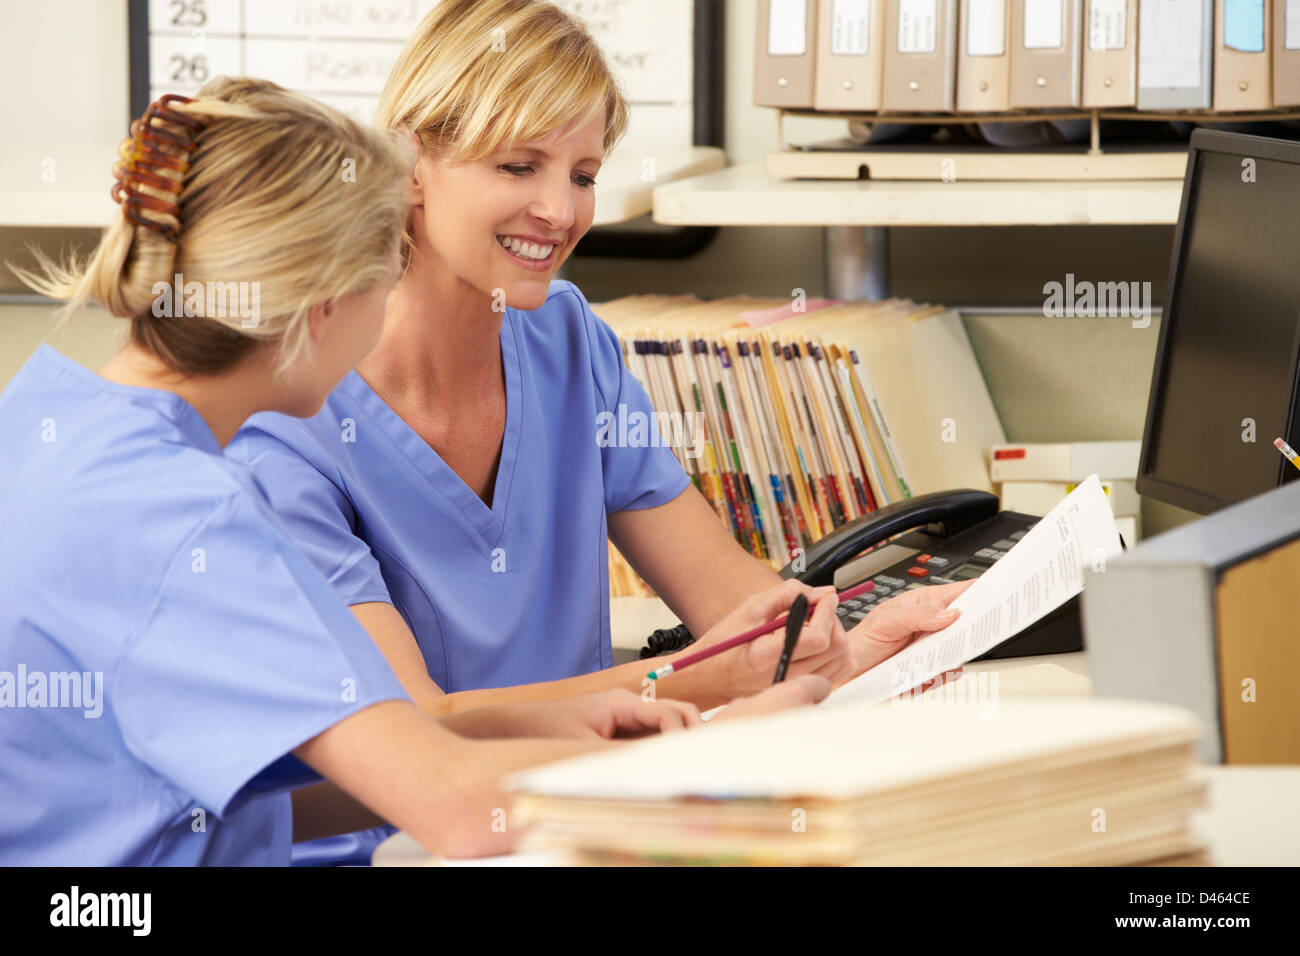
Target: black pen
793	626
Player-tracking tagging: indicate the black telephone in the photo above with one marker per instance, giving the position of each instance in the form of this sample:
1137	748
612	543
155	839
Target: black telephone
937	538
959	535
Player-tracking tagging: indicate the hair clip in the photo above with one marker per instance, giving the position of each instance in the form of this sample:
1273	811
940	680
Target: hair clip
143	154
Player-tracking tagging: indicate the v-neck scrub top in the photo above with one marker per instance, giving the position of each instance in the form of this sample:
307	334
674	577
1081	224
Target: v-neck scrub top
509	594
163	645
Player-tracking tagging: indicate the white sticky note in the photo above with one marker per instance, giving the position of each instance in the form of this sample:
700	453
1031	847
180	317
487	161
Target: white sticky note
918	24
1044	24
851	27
986	27
1170	34
785	27
1107	24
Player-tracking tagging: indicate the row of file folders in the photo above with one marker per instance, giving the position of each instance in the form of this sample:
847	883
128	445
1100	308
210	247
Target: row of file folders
791	420
978	56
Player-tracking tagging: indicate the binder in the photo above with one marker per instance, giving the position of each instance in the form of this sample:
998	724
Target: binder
785	53
1046	53
1241	56
920	56
1110	53
983	56
1175	54
850	64
1286	52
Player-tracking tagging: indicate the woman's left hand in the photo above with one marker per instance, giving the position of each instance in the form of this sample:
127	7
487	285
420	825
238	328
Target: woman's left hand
895	623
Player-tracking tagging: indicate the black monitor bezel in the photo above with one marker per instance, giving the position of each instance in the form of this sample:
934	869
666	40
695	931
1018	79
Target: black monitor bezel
1245	146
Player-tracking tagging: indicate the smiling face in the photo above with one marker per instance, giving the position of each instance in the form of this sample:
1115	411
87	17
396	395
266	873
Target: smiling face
507	222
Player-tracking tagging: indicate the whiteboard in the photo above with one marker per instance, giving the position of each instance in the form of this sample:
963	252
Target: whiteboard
341	52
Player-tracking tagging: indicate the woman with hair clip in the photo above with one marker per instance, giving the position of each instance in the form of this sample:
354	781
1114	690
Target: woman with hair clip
452	488
180	665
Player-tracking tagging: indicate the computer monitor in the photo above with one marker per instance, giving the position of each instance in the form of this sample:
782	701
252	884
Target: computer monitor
1230	333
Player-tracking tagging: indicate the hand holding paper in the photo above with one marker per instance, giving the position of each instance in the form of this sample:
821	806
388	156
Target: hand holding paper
1042	572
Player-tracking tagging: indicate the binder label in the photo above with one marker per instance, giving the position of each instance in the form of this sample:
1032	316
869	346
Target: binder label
1293	24
1044	24
1106	25
986	27
785	27
851	27
1170	44
1243	25
917	25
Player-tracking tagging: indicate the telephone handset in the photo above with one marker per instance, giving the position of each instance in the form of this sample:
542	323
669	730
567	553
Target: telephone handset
934	538
948	512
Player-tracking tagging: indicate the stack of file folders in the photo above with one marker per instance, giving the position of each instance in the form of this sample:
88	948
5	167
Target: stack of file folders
1043	781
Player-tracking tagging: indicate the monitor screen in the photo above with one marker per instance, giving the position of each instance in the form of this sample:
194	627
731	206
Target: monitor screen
1226	363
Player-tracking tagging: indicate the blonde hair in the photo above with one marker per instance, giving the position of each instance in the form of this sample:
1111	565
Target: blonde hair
480	75
282	191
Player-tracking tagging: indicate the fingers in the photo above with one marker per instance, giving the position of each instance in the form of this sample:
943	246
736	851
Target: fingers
941	595
795	692
631	716
820	629
776	601
935	595
886	631
898	624
821	640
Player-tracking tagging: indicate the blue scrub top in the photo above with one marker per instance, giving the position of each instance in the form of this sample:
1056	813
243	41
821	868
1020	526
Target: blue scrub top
512	594
163	646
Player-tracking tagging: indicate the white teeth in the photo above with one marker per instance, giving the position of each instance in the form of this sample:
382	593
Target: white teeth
525	250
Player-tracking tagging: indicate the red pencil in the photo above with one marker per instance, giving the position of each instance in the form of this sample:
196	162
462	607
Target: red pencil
751	634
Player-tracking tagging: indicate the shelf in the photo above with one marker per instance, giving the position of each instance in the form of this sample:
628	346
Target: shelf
621	190
745	196
1074	164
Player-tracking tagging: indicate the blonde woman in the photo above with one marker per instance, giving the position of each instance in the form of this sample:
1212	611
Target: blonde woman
452	488
169	661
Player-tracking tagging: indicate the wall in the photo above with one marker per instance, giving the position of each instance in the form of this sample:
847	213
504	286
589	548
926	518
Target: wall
1051	379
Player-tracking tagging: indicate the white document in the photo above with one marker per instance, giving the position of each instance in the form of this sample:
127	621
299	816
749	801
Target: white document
1042	572
1044	24
986	27
1106	25
1170	43
918	22
851	27
785	27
